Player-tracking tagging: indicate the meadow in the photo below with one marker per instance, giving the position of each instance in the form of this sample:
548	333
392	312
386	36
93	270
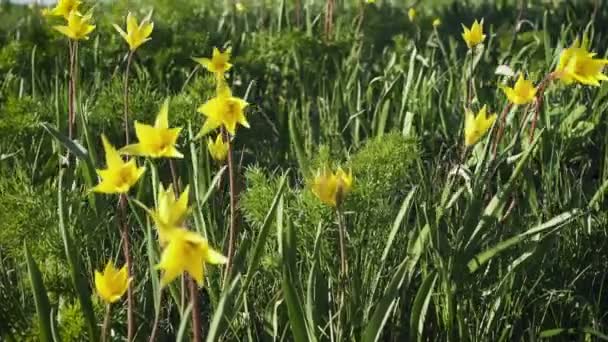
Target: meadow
304	170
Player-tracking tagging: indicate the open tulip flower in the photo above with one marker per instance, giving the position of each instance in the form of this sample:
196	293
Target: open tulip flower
476	126
218	63
63	8
187	251
474	35
523	92
170	212
136	34
156	141
112	283
78	26
578	64
223	110
119	176
331	188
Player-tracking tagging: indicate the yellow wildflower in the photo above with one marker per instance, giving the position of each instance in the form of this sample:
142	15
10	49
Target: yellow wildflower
187	251
63	8
523	92
170	212
436	22
224	109
156	141
136	34
576	63
78	26
218	64
411	14
119	176
240	7
476	127
331	188
474	35
112	283
218	149
370	1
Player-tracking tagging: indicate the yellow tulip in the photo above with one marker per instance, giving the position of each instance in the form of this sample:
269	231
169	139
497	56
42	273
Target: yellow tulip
119	176
187	251
218	63
170	212
218	149
63	8
112	283
576	63
476	126
474	35
223	110
331	188
78	26
156	141
523	92
136	34
240	7
436	22
411	14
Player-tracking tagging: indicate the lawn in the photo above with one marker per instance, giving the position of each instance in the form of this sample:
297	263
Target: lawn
303	170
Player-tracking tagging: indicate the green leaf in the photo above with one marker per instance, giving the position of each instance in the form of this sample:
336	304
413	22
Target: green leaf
183	324
41	300
298	146
420	307
218	315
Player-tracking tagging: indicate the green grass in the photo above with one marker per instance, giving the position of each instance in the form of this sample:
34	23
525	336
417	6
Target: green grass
440	248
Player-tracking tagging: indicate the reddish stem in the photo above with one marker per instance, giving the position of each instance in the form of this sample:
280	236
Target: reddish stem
539	101
501	127
232	232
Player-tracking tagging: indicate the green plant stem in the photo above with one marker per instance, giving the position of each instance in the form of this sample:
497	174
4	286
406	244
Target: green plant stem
127	255
156	316
192	286
106	323
73	51
341	236
539	101
126	96
233	228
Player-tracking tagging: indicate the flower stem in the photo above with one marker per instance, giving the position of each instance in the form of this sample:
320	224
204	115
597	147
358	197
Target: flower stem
501	127
232	232
156	316
127	255
341	235
539	101
126	96
73	50
106	323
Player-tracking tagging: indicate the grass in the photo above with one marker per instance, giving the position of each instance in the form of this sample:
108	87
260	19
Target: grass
441	245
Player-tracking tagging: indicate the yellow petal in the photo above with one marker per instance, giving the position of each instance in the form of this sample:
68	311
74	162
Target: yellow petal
162	119
113	159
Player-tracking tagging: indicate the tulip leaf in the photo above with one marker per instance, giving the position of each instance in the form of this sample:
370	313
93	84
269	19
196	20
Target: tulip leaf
420	306
218	315
41	300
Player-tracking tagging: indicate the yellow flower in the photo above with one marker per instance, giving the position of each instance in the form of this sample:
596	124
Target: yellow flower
370	1
523	92
112	283
78	26
240	7
170	212
63	8
156	141
476	127
218	64
331	188
187	251
136	34
474	35
217	149
224	109
411	14
436	22
119	176
576	63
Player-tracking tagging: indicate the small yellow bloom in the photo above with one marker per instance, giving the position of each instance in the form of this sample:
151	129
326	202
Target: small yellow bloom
156	141
411	14
240	7
474	35
370	1
331	188
218	64
187	251
63	8
523	92
224	109
218	149
78	26
476	127
576	63
112	283
136	34
119	176
436	22
170	212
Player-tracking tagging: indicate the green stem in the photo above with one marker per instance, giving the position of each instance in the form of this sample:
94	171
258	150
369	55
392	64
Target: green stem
156	316
127	256
106	323
232	232
341	236
126	97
